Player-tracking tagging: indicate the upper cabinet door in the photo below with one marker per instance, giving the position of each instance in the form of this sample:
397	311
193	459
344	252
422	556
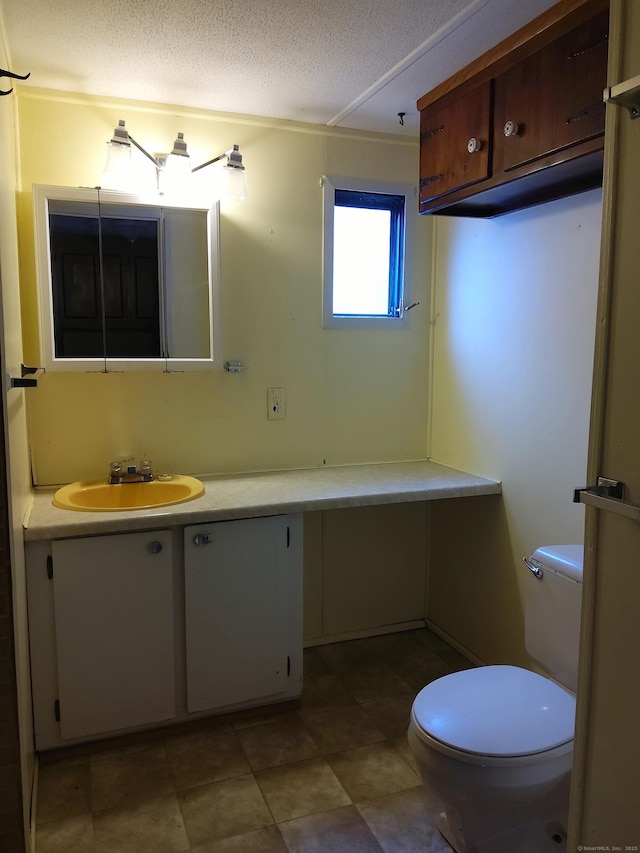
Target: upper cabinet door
552	99
455	143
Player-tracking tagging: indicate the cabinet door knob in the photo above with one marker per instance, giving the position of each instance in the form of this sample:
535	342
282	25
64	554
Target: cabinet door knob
474	145
155	547
511	128
201	539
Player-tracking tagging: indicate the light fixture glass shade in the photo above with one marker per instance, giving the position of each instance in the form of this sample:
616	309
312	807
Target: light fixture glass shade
219	182
231	183
176	175
118	171
125	170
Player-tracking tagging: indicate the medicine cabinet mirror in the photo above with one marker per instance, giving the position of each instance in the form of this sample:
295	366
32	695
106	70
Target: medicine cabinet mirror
126	283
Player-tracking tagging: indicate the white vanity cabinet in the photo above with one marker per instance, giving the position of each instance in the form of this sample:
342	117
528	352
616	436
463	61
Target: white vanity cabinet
101	623
243	609
126	635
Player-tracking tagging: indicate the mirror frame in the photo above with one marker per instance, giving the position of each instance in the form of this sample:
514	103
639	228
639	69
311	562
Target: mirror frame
42	195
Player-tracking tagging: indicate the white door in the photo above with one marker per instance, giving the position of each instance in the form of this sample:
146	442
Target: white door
236	611
605	813
113	600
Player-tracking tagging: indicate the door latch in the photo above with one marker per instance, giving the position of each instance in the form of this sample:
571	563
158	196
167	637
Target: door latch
604	488
607	495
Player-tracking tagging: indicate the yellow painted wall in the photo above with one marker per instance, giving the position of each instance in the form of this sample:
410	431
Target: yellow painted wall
513	327
351	397
514	324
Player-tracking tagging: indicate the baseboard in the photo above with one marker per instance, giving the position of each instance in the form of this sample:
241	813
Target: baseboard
363	633
469	655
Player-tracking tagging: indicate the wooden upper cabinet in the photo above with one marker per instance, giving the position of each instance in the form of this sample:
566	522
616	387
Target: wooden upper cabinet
454	143
552	99
524	124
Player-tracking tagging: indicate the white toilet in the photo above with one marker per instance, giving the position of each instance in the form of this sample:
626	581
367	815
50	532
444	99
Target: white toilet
495	743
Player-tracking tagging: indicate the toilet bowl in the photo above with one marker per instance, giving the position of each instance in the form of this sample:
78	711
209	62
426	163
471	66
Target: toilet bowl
494	744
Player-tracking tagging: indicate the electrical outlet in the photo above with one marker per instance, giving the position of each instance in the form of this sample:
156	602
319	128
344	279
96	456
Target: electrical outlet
276	404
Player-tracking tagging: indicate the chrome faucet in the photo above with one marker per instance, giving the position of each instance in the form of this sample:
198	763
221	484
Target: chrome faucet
129	473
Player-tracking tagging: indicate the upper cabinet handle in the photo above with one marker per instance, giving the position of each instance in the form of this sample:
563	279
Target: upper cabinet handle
592	111
425	182
511	128
604	41
428	134
474	145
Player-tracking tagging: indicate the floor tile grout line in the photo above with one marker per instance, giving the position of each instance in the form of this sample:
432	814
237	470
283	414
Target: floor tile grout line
94	758
134	800
327	812
177	790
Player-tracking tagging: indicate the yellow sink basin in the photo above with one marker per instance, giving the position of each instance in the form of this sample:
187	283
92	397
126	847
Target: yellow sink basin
99	496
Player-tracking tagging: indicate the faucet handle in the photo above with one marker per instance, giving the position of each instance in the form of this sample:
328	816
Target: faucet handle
145	469
115	472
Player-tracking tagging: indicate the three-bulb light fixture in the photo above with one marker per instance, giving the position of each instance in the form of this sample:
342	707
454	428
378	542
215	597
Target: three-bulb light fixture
174	172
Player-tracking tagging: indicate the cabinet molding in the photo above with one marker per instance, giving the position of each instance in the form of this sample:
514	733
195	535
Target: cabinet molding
523	124
548	26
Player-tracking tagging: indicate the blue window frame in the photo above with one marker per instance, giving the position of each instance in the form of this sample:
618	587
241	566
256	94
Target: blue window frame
364	253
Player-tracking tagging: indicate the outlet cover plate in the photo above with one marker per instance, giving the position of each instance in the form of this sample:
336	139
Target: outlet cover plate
276	404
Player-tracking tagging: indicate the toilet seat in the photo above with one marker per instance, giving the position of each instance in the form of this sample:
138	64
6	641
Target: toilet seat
499	711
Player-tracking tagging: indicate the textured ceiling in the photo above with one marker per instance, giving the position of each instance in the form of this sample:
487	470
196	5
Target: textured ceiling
350	63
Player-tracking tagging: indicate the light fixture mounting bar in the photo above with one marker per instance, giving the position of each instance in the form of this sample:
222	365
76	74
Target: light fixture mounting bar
210	162
146	153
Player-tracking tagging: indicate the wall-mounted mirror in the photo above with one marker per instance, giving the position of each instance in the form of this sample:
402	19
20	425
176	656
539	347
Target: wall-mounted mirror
126	283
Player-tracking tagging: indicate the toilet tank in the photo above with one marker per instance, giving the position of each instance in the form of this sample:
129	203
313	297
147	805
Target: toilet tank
553	598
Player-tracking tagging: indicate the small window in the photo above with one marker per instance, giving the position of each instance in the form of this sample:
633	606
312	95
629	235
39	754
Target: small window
364	253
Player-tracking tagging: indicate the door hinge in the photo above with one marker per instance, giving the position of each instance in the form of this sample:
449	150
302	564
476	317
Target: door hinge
50	567
288	666
56	710
288	536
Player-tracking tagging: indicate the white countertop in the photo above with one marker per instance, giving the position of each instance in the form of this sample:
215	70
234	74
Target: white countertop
269	493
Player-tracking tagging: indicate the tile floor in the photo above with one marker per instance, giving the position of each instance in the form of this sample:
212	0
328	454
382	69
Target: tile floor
335	775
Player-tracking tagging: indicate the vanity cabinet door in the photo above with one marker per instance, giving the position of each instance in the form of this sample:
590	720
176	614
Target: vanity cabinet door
113	605
243	610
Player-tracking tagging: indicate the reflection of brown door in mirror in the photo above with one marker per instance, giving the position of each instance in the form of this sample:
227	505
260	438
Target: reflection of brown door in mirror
131	296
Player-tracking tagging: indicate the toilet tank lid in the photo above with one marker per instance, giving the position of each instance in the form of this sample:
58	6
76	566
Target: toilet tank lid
496	710
566	560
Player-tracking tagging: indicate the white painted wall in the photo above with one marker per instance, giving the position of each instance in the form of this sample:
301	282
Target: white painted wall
513	334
